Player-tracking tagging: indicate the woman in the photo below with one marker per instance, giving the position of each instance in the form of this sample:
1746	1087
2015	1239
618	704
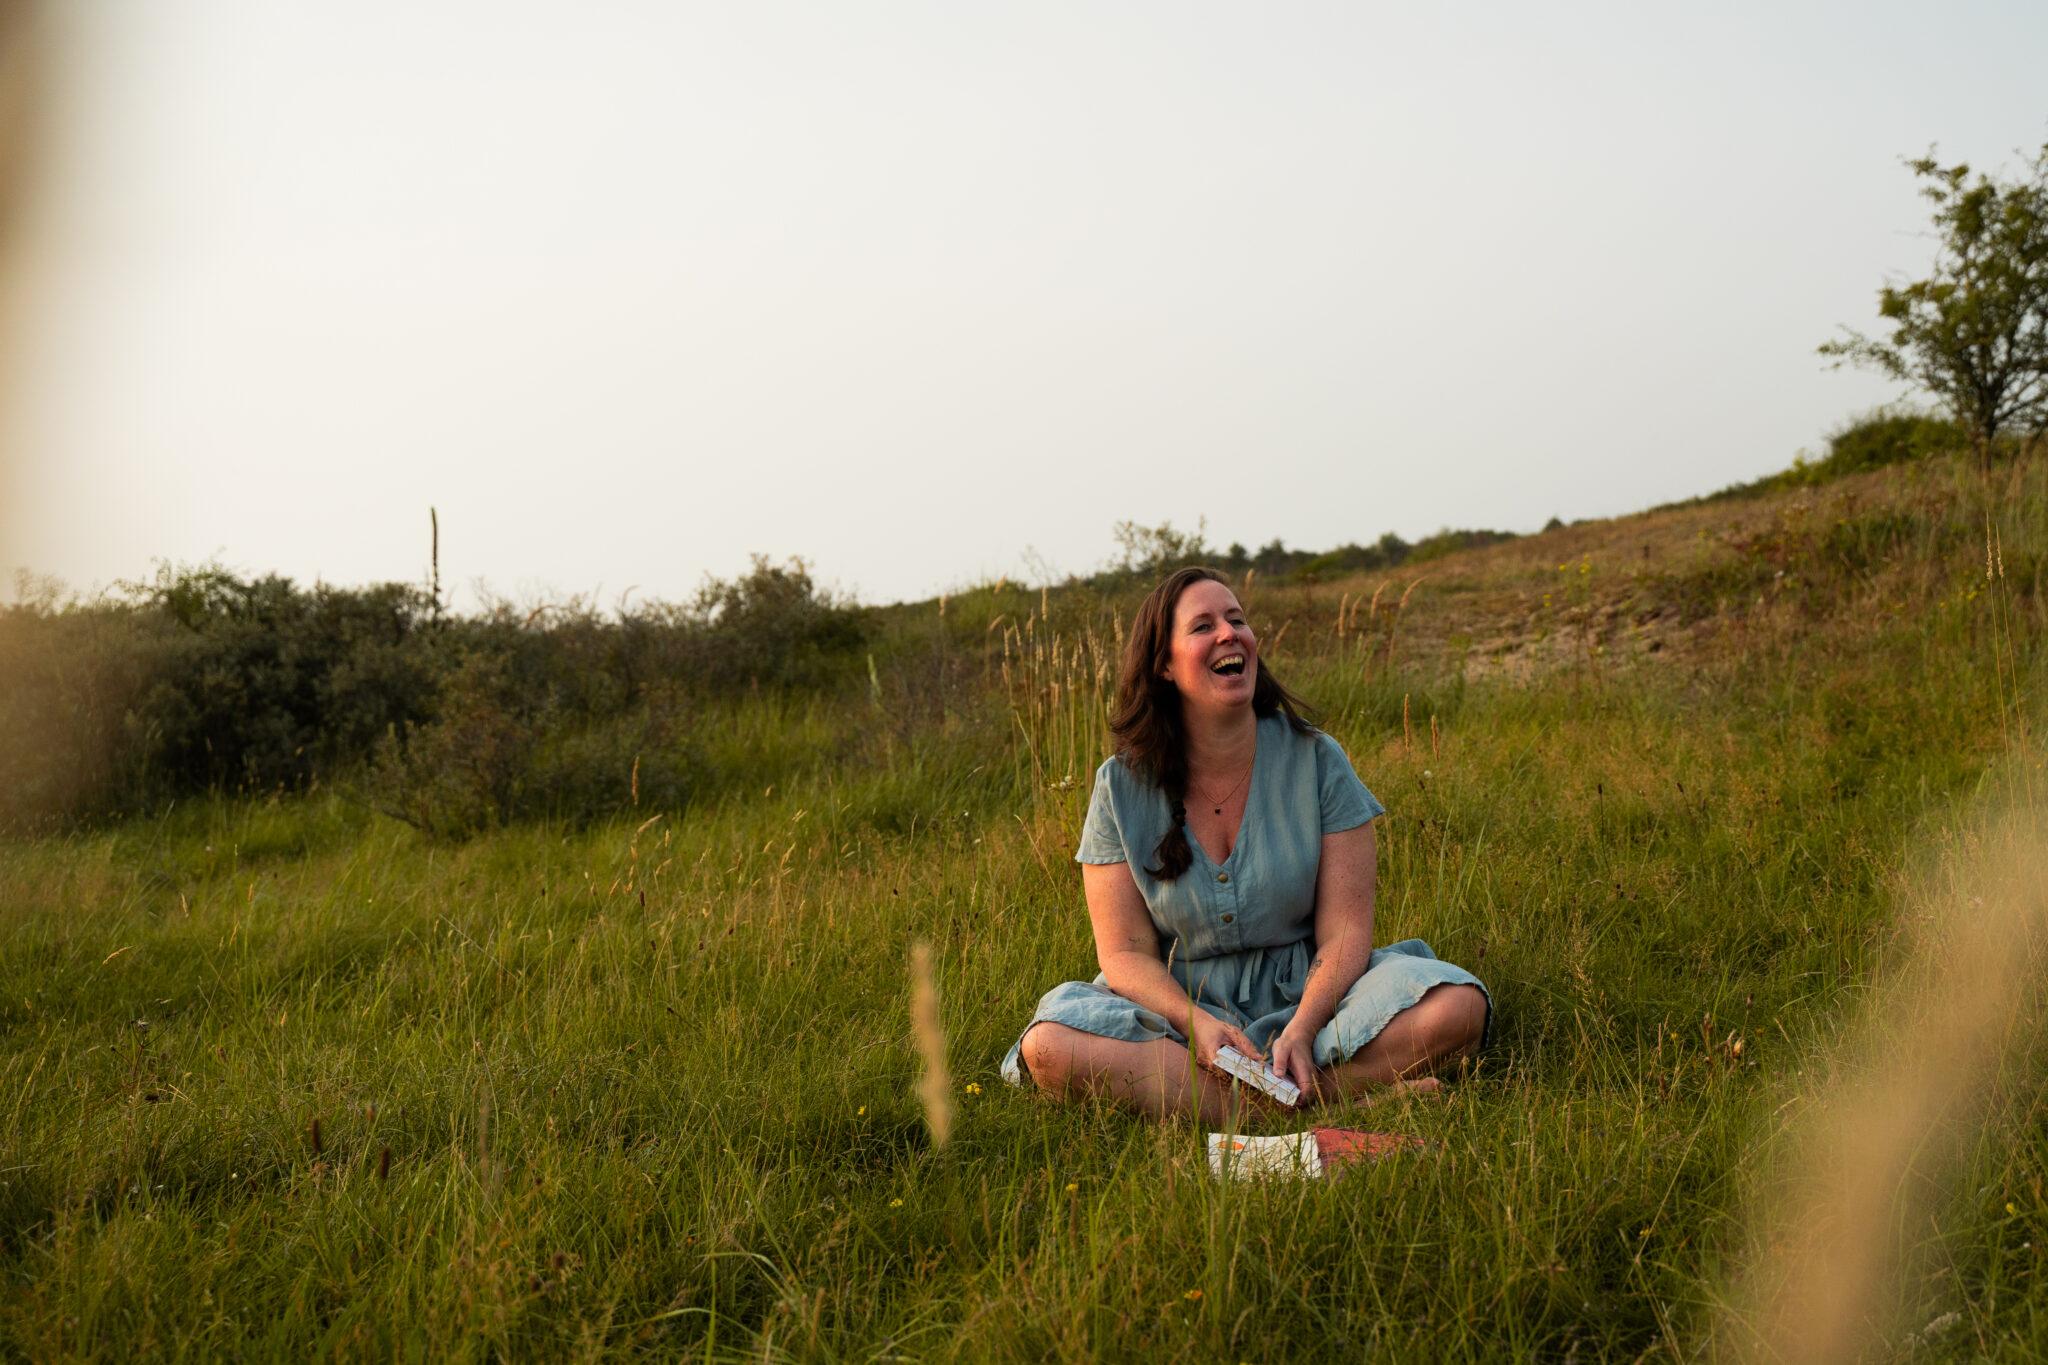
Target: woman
1228	861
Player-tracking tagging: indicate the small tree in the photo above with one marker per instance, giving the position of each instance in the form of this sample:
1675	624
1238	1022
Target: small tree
1153	550
1974	333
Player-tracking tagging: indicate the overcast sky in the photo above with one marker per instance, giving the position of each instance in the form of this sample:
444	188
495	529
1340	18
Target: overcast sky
631	291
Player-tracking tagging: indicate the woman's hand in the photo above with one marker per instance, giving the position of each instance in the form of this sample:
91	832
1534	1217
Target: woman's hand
1294	1058
1207	1035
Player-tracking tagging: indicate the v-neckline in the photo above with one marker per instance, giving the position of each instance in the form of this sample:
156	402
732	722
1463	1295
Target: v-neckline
1251	783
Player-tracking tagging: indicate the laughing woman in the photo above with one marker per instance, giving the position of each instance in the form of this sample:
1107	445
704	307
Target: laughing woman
1228	861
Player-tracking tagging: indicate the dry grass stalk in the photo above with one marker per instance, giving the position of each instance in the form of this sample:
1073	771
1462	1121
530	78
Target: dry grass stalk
936	1089
1394	619
1821	1292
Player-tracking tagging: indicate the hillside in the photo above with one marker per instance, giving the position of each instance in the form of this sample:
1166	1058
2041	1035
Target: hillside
628	1071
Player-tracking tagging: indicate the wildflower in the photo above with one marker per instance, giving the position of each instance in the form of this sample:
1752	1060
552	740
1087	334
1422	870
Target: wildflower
895	1203
1071	1189
1193	1295
973	1089
863	1112
2010	1207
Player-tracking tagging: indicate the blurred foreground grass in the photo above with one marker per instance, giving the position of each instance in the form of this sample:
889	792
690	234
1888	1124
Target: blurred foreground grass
286	1080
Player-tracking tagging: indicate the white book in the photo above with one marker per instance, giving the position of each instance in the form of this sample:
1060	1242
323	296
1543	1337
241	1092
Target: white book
1255	1073
1233	1156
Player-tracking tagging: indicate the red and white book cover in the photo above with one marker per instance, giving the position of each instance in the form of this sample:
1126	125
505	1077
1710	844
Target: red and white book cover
1314	1154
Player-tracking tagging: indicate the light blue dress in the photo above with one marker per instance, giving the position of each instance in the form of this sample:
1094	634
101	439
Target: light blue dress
1238	935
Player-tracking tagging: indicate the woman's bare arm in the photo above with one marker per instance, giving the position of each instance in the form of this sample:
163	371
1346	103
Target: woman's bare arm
1127	947
1343	930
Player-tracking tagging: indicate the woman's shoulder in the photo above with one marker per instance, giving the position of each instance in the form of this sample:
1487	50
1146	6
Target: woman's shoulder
1311	758
1113	769
1304	740
1115	776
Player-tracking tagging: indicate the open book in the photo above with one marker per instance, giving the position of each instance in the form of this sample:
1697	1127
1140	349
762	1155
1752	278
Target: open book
1313	1154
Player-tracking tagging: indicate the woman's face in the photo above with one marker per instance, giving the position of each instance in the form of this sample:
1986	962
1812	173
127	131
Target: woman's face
1214	660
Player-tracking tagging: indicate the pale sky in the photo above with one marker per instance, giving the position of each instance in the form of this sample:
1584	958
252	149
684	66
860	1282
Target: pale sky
629	291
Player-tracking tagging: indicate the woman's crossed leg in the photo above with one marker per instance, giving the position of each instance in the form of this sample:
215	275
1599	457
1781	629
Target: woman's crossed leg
1158	1078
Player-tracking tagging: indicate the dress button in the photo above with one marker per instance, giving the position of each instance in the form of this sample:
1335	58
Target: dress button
1222	876
1227	919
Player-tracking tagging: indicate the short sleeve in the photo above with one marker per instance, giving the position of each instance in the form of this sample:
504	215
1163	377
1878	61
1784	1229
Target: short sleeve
1346	804
1101	840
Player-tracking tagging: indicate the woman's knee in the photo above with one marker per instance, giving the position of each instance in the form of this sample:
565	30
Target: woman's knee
1448	1022
1048	1052
1459	1022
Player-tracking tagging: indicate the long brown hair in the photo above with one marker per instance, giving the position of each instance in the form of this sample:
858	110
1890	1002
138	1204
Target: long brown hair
1151	735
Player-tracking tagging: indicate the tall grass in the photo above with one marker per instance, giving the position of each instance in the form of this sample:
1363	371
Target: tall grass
648	1087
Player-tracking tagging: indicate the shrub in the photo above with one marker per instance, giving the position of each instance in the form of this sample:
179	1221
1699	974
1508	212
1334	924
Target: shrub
1880	437
265	684
201	680
1450	542
1886	437
772	627
487	759
1383	553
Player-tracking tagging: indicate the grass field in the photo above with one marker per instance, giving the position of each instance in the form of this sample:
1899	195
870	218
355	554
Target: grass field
286	1080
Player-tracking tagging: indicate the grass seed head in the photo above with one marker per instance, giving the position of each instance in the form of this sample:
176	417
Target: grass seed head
935	1090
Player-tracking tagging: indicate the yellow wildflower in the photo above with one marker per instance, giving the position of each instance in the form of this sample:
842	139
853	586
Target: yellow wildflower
1072	1188
863	1110
895	1203
2009	1208
973	1089
1192	1295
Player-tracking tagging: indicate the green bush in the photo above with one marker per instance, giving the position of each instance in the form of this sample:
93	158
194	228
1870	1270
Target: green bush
204	681
1383	553
1874	440
1888	437
264	684
1450	542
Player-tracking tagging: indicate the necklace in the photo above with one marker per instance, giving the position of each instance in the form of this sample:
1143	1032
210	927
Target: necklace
1216	802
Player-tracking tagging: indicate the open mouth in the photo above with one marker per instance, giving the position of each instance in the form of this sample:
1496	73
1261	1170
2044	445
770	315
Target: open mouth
1230	667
